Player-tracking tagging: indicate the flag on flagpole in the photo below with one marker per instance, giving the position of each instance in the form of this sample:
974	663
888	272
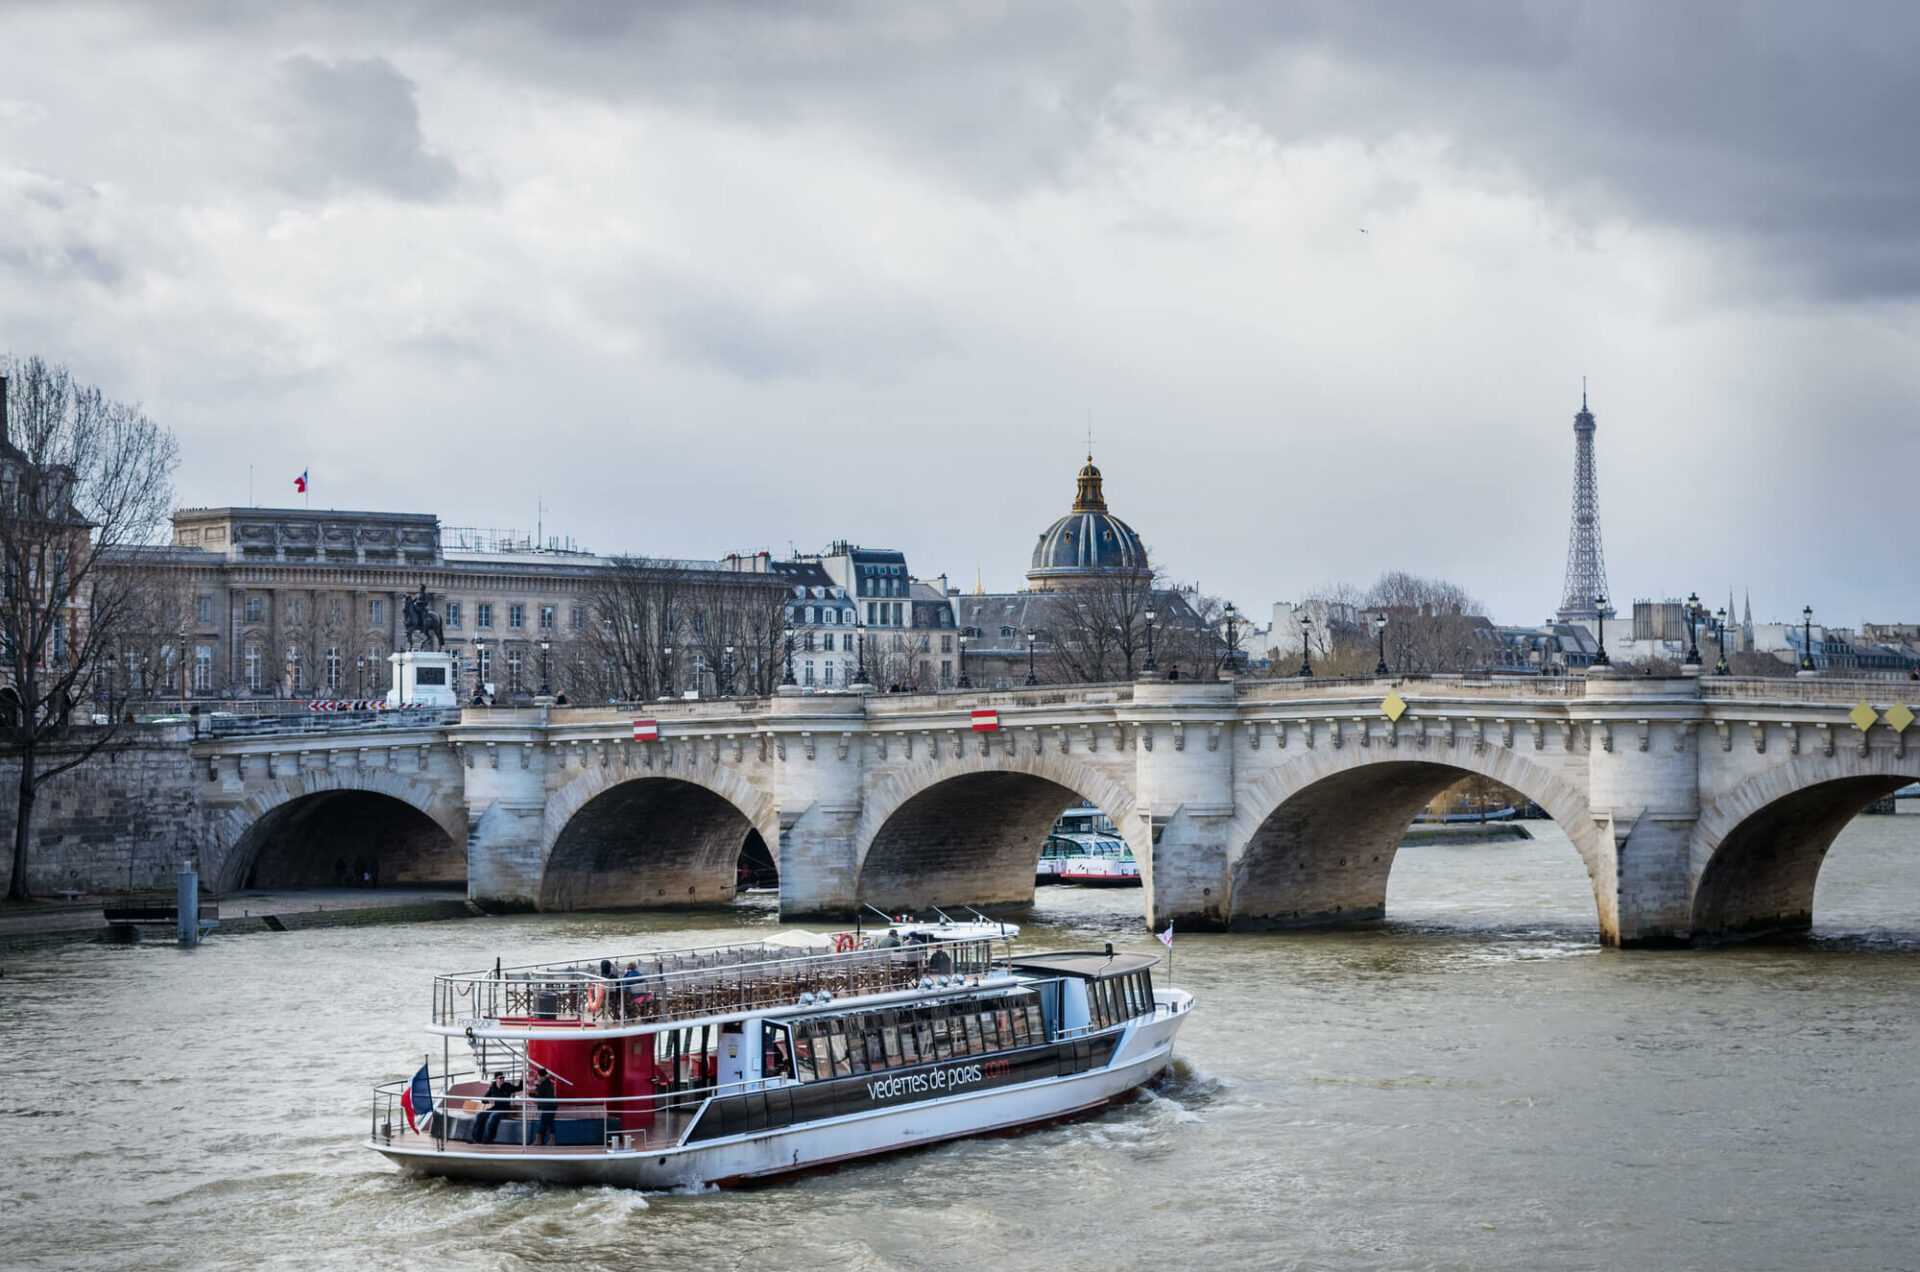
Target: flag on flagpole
300	482
1166	938
417	1100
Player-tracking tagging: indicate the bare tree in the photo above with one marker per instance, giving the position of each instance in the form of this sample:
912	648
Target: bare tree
1096	630
1431	623
86	478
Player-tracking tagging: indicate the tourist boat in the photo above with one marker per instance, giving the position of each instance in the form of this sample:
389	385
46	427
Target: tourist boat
1102	861
678	1068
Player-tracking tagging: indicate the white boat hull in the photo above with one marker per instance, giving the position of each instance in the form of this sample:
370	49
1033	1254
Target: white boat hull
1145	1050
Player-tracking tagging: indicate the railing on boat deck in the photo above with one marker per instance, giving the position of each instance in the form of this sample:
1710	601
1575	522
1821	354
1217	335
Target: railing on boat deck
639	1122
691	984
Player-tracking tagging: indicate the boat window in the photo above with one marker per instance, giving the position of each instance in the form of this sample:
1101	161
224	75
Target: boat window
973	1035
923	1030
857	1042
891	1031
1004	1019
803	1051
837	1040
875	1045
989	1039
1018	1022
942	1041
909	1044
1036	1023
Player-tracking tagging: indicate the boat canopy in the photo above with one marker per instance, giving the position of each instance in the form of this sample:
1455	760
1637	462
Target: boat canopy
1086	966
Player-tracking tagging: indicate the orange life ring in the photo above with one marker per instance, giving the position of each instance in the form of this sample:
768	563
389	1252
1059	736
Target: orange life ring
603	1060
842	942
596	998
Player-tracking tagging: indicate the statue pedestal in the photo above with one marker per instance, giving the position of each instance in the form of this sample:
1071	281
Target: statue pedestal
422	678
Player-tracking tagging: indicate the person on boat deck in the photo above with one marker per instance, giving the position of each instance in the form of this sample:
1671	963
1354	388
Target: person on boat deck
499	1098
891	940
630	989
543	1099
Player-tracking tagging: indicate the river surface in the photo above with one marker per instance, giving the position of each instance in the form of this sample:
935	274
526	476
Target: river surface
1474	1085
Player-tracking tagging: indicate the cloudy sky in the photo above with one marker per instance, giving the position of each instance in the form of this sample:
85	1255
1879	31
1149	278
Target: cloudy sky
1323	279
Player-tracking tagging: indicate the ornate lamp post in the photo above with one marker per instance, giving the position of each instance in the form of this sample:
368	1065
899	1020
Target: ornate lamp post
726	689
860	654
966	682
1230	620
1600	613
1150	667
546	648
1306	648
360	673
1380	627
1693	612
788	678
1720	629
1806	638
1031	678
479	671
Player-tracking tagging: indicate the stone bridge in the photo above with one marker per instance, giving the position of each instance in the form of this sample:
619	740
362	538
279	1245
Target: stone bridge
1701	807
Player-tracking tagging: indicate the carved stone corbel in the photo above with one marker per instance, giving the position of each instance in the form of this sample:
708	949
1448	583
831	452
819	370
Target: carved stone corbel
1606	735
1452	726
1393	734
1179	735
843	746
1793	738
739	746
986	741
1683	734
1646	732
1538	728
1479	733
1091	735
1725	730
780	746
1143	736
273	764
1567	743
1280	735
880	744
1506	733
213	768
1826	737
1866	736
1213	736
1759	736
1366	734
1253	735
806	742
526	756
1306	733
493	755
1063	737
1335	734
1119	736
1420	738
1033	741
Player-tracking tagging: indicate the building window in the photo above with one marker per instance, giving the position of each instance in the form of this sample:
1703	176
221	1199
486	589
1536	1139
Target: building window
806	642
810	618
203	609
516	616
253	669
202	667
296	674
296	612
333	669
826	673
514	665
809	672
546	618
946	644
846	642
483	614
946	671
376	613
453	613
486	665
577	618
256	609
1006	632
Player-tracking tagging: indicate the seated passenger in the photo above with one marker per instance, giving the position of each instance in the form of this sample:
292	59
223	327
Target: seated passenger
499	1098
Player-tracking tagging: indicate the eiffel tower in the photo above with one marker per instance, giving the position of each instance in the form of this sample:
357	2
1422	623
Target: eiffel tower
1583	599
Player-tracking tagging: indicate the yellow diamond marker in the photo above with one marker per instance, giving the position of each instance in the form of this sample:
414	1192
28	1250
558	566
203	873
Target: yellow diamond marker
1394	705
1899	716
1864	717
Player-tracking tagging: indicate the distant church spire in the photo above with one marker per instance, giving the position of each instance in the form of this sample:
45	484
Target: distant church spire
1086	495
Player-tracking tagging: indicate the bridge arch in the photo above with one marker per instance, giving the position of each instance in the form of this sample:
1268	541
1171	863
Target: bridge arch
967	830
325	828
1313	841
1756	851
621	838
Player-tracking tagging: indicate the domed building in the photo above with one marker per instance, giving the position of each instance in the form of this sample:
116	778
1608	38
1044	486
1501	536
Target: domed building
1087	545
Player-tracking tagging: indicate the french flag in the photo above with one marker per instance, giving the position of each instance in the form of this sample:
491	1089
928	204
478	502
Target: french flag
417	1100
300	482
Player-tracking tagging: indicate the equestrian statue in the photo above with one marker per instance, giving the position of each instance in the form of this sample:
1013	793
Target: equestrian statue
423	622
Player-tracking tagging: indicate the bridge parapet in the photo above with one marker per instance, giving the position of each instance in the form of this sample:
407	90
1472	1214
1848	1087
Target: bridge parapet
1845	692
1350	687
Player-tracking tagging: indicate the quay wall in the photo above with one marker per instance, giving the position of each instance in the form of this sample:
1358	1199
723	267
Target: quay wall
124	820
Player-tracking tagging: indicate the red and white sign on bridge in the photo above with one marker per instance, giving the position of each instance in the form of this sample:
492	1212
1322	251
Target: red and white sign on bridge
986	720
646	730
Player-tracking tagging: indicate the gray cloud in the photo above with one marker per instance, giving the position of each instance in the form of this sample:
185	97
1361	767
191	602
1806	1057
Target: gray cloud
353	125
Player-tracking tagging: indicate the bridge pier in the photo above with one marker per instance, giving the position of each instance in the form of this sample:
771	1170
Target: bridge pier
504	769
1184	756
1644	790
816	771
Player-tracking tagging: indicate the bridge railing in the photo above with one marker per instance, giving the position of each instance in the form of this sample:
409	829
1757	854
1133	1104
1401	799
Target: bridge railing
313	722
1453	686
607	712
963	699
1822	689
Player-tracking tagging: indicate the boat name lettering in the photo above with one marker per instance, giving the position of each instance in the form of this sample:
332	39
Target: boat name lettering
951	1078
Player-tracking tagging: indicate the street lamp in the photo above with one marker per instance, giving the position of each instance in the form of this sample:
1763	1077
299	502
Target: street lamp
1306	648
860	655
1380	626
1693	611
546	648
727	690
1151	666
1806	638
788	678
1031	678
360	673
966	682
1230	619
1720	628
666	671
479	671
1600	613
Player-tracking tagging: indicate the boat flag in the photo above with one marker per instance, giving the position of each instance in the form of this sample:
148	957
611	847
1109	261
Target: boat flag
417	1100
1166	938
300	482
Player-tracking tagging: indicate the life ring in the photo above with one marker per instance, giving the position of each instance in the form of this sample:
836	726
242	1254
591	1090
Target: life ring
842	942
596	998
603	1060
